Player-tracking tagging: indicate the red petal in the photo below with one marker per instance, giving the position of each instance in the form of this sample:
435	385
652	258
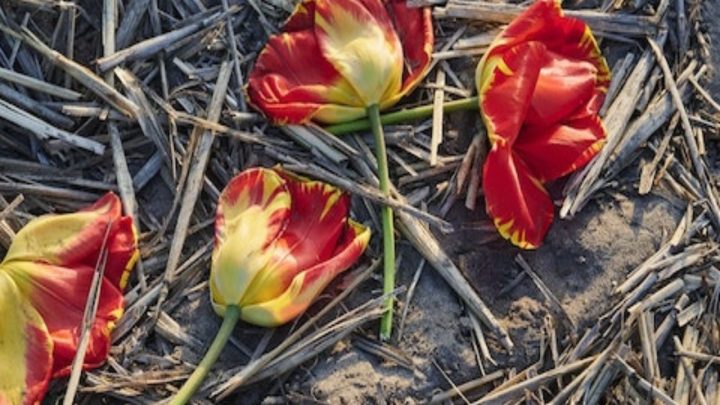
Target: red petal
317	218
302	18
307	285
561	88
25	348
507	83
515	200
415	31
122	252
555	151
59	295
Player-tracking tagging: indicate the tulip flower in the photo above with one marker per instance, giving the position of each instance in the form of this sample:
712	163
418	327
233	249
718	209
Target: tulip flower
540	87
44	283
339	60
335	58
280	240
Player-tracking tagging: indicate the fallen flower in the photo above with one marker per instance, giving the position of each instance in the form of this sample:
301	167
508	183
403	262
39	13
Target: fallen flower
280	240
335	58
540	85
44	282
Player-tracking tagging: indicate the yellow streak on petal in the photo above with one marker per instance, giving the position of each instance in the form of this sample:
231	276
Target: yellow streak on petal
239	253
504	227
131	263
240	256
485	76
369	58
333	195
300	9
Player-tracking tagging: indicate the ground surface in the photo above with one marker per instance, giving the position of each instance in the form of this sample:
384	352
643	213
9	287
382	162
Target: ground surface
581	261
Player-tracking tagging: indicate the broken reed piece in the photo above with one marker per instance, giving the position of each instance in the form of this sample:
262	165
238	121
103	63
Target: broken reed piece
152	46
80	73
437	117
39	85
194	183
123	178
44	130
146	117
624	24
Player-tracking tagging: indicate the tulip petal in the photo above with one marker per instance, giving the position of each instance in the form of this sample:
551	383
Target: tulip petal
253	210
317	220
122	252
506	84
302	18
566	37
515	200
358	38
413	26
59	295
555	151
307	285
25	348
563	87
292	82
76	239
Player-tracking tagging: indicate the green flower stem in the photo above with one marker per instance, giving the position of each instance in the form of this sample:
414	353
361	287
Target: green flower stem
387	221
232	315
406	115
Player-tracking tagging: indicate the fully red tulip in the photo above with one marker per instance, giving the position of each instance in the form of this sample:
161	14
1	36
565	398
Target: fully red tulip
44	284
541	85
279	241
335	58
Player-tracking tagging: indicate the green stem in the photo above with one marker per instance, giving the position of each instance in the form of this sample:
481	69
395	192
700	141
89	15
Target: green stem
232	315
406	115
387	222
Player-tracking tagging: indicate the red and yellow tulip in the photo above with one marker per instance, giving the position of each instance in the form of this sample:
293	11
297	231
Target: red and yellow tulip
44	283
335	58
540	86
279	240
